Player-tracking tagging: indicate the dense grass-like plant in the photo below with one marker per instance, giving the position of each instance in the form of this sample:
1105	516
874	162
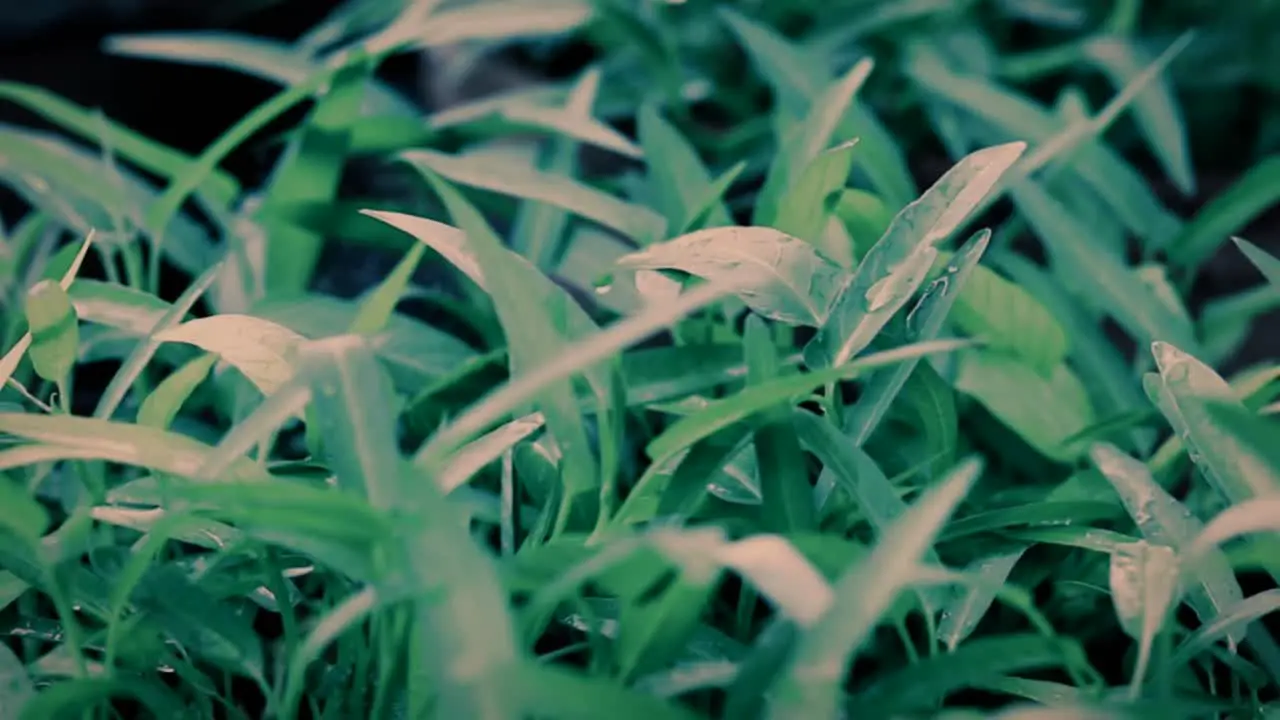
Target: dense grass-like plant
745	424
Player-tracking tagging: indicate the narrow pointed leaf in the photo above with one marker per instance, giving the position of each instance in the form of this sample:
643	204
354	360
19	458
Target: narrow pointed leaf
1268	265
810	686
855	317
924	323
962	615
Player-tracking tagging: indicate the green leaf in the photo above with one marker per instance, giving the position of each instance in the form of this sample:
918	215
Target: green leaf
1013	115
921	686
1228	212
789	70
895	266
1250	610
86	694
1006	317
117	306
539	228
533	334
519	180
817	131
654	631
924	323
378	306
1165	521
1144	588
722	413
163	403
570	124
419	27
84	193
259	57
137	360
576	358
350	395
1044	411
475	456
463	637
809	202
260	349
810	686
309	172
1155	110
1256	516
865	216
200	623
22	515
1101	367
962	615
1184	392
798	77
804	142
54	329
145	152
67	437
569	695
10	360
863	480
1266	264
778	276
414	351
676	175
1104	281
16	689
787	501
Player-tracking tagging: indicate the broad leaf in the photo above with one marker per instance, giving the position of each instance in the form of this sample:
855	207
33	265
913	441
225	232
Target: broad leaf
260	349
780	277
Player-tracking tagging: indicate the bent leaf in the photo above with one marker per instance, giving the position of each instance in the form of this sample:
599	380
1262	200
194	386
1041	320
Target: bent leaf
260	349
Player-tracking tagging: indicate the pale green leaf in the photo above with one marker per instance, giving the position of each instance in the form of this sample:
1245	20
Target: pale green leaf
925	322
862	307
54	329
260	349
1006	317
1186	390
522	181
1046	411
780	277
1144	584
